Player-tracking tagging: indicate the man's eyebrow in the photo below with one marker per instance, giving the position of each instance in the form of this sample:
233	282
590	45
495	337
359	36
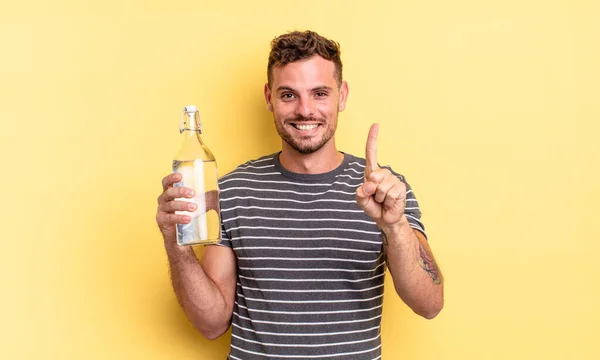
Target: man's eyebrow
285	88
317	88
322	87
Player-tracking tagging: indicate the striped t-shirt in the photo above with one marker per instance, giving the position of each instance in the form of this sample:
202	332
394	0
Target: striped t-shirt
310	268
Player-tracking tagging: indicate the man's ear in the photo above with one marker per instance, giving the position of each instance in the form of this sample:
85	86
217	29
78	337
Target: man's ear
343	96
268	97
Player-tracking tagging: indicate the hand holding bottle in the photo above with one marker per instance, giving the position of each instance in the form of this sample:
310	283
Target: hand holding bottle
169	203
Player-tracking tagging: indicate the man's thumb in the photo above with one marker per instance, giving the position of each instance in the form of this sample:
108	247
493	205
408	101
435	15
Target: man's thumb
362	198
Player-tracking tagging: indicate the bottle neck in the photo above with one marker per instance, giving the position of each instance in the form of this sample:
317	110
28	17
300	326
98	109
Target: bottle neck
191	136
192	147
190	123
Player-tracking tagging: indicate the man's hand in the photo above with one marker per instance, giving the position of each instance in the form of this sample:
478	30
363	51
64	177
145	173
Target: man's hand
177	205
382	195
167	205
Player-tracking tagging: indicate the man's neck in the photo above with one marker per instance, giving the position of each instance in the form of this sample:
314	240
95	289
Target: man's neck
319	162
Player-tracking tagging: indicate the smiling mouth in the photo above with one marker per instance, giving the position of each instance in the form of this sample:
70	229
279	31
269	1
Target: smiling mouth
305	127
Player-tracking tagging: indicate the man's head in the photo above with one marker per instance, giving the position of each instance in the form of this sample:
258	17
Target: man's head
305	91
296	46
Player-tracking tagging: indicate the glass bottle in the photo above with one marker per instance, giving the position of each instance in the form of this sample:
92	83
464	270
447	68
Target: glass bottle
198	169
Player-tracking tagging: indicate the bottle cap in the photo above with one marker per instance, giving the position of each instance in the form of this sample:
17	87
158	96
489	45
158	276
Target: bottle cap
190	109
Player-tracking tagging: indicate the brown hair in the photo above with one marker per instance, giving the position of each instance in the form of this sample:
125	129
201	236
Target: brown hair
296	45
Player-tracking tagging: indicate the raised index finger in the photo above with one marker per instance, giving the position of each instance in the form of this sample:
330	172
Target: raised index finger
371	150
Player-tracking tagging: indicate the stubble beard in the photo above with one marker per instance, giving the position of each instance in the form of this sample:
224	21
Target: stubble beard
305	146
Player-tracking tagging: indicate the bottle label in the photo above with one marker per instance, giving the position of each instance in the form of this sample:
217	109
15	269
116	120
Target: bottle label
192	176
200	198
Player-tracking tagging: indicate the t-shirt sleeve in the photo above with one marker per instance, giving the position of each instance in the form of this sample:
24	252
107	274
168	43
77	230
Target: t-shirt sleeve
225	240
411	209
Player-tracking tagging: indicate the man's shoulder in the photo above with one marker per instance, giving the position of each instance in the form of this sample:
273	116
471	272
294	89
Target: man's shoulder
361	162
257	163
355	160
261	165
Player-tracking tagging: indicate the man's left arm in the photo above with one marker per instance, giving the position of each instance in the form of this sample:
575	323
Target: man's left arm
416	275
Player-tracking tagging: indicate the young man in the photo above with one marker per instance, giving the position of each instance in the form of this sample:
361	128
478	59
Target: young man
307	232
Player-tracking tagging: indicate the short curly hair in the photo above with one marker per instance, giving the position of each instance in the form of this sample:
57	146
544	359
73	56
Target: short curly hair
296	45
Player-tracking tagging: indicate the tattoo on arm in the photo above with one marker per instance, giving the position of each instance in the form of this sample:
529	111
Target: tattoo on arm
428	264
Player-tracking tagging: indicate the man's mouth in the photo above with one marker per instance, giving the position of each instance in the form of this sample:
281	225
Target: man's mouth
305	126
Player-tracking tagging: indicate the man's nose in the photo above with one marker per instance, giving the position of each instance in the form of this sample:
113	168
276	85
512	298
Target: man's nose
306	107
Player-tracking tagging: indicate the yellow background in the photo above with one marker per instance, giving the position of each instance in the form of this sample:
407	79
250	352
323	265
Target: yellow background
490	108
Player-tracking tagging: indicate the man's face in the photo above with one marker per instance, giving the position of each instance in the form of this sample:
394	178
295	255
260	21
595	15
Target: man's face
305	99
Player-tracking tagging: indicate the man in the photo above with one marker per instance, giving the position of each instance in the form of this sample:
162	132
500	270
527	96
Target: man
307	232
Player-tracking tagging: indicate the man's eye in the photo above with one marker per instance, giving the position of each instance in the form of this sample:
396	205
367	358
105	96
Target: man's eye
321	94
287	96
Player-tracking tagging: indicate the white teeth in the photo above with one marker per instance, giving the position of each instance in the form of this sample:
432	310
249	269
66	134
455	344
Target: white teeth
306	127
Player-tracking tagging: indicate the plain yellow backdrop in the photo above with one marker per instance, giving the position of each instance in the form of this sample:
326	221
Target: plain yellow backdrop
489	108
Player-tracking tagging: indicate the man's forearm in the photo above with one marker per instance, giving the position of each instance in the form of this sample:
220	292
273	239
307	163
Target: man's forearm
417	278
200	297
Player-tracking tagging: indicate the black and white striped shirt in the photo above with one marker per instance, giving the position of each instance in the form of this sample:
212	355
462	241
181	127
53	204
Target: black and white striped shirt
310	264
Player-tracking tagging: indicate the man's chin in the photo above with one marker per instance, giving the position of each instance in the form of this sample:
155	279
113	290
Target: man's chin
310	145
307	149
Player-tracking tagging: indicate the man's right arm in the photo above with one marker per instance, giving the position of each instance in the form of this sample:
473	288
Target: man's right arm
206	292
